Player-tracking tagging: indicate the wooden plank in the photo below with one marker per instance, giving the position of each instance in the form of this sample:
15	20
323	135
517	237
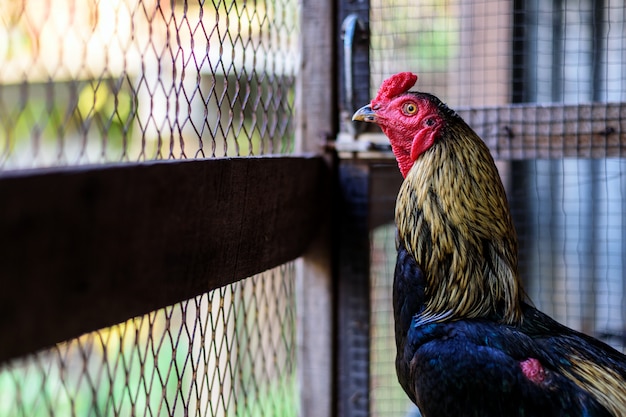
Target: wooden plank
85	248
530	131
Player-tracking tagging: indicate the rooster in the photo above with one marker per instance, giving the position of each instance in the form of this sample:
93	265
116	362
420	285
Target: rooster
467	342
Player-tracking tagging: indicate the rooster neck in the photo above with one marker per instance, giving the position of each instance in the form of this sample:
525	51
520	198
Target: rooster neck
453	216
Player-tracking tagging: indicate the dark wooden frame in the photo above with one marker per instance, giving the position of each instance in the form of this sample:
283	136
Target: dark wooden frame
84	248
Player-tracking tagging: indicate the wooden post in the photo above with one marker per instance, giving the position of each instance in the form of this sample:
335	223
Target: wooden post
315	123
353	291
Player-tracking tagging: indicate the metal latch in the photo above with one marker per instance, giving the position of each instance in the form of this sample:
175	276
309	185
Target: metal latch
350	27
346	143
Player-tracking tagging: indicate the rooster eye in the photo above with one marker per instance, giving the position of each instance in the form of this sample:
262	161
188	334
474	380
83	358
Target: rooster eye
409	108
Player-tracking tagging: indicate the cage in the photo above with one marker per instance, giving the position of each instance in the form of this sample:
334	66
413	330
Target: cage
549	74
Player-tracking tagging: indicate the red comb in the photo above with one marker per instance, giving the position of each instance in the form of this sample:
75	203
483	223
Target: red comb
394	85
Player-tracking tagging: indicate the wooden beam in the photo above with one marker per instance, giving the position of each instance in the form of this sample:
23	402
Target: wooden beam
315	123
353	291
85	248
530	131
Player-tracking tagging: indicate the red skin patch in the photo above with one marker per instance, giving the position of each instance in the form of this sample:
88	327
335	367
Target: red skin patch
533	370
410	134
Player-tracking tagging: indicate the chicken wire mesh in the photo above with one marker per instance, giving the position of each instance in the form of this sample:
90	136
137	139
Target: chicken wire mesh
230	352
570	212
132	80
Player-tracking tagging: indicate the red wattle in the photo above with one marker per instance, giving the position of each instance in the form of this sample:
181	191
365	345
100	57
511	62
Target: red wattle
423	140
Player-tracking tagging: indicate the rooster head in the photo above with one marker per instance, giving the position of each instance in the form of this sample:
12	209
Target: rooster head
411	120
452	213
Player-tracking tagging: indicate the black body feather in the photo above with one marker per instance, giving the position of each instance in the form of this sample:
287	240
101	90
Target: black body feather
471	367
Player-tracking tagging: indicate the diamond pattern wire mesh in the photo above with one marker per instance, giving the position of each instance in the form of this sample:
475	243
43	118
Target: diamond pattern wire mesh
91	82
230	352
132	80
569	213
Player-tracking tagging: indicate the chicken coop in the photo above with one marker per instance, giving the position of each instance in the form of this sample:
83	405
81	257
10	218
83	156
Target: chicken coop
191	223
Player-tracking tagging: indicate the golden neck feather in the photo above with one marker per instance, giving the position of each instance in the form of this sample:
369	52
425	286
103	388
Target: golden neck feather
453	217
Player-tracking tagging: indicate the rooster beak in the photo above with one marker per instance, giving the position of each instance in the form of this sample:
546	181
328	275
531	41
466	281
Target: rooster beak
365	114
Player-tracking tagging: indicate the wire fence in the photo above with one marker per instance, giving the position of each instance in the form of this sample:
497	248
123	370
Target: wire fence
132	80
98	82
230	352
569	213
